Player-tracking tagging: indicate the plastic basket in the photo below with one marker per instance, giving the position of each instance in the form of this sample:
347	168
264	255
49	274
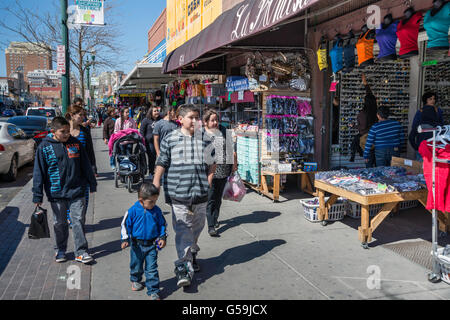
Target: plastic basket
335	213
444	265
405	205
354	209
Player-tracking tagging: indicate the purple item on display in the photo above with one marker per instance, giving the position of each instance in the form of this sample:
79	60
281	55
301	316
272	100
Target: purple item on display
387	40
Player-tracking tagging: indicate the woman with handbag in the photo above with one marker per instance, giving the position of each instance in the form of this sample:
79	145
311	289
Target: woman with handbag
217	136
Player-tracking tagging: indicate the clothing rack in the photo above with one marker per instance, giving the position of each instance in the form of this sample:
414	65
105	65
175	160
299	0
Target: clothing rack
435	275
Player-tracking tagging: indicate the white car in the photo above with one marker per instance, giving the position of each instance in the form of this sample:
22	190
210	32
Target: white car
16	150
48	112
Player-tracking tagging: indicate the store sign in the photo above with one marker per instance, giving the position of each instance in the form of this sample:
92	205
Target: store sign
61	59
267	13
89	12
429	63
187	18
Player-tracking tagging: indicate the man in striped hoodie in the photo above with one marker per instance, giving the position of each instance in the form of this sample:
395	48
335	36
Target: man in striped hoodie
184	155
387	136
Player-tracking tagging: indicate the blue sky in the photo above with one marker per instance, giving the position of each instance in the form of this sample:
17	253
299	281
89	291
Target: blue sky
137	18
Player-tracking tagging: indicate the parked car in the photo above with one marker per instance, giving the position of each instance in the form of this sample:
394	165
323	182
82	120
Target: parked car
16	150
8	113
35	127
48	112
18	111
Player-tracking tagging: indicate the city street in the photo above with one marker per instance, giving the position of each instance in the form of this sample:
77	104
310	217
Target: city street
265	251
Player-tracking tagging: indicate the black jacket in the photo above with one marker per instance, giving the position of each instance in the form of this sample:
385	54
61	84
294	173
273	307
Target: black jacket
90	148
62	169
147	129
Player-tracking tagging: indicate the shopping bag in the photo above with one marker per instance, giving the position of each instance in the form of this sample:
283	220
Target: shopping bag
39	226
234	189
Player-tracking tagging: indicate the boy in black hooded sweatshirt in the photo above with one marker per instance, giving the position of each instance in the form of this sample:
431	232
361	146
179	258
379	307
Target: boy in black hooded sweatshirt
62	168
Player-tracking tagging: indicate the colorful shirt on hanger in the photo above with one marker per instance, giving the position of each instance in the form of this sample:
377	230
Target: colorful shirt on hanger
349	57
387	40
364	47
322	59
437	27
442	176
336	56
408	34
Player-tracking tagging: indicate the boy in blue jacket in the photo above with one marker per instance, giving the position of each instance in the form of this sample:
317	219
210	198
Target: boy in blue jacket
62	168
145	227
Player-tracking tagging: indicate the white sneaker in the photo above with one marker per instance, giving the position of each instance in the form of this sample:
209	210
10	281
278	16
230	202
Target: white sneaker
84	258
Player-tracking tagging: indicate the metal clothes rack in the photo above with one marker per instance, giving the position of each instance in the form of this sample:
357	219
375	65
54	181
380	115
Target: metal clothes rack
435	275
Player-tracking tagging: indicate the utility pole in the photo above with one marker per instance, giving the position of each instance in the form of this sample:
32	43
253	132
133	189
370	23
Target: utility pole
65	78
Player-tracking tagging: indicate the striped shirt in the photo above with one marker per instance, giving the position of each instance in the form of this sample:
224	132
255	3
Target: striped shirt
384	134
82	138
187	164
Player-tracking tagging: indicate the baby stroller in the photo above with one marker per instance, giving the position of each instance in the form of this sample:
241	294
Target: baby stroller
130	160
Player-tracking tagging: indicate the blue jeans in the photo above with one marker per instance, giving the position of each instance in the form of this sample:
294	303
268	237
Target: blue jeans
148	254
111	161
384	156
61	228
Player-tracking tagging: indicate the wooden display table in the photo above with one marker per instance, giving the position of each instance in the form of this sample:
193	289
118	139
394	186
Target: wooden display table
390	201
306	185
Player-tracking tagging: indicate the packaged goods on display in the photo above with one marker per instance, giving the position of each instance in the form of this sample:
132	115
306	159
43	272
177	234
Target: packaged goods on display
374	180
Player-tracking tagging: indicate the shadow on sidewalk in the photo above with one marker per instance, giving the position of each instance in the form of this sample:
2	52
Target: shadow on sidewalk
254	217
215	266
11	240
104	224
104	176
105	249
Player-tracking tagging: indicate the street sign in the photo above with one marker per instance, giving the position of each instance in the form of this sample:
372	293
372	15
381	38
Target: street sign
89	12
61	59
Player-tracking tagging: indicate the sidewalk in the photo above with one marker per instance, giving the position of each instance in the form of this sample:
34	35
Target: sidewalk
266	251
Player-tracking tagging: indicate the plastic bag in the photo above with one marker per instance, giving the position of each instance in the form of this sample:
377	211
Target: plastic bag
39	226
235	189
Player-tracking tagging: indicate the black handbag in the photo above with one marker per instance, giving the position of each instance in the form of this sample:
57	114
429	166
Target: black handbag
39	226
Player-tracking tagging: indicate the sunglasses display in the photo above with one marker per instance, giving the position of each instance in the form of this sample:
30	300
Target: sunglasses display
437	79
389	82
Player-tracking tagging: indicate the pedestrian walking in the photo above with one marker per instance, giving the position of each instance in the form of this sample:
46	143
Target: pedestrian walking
217	136
189	176
164	127
433	116
125	122
75	117
62	168
144	228
386	137
146	129
108	130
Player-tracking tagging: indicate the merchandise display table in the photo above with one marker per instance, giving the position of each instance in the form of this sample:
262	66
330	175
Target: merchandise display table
306	185
390	201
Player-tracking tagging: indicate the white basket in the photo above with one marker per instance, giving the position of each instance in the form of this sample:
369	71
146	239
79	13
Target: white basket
408	204
336	212
354	209
444	265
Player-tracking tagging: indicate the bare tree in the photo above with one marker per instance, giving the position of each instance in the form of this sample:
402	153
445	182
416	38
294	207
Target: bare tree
44	31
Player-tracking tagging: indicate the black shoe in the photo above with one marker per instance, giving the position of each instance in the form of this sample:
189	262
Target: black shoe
352	159
194	263
212	232
183	278
216	225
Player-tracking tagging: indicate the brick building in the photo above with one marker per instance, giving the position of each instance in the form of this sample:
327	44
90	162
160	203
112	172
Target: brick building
27	56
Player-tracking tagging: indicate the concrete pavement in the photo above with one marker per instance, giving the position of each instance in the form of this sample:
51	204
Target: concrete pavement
266	251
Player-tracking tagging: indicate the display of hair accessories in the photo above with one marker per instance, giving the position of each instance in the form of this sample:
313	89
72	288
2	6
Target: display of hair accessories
304	108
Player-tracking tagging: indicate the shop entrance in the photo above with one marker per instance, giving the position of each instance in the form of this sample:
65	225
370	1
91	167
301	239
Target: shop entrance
389	82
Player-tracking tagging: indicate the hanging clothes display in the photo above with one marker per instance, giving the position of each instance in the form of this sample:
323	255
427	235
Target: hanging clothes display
336	56
437	27
442	183
408	34
387	40
349	57
364	46
322	59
